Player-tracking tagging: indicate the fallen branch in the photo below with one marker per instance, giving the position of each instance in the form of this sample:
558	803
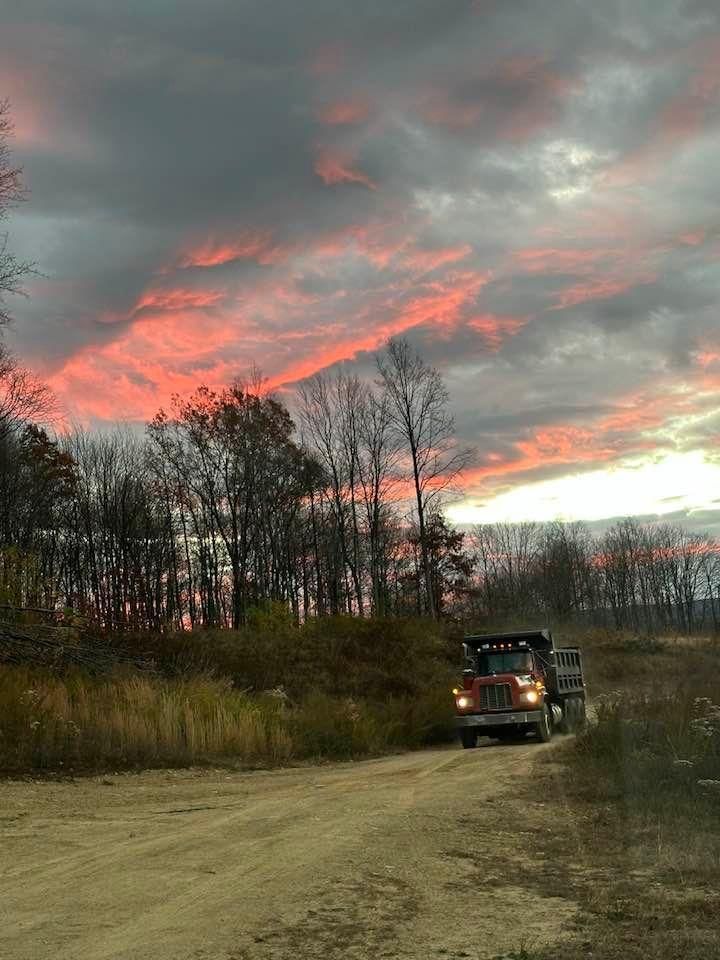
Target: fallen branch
60	652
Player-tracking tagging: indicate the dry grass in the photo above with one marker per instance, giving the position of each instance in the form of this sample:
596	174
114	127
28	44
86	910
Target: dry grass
617	660
76	722
644	861
349	688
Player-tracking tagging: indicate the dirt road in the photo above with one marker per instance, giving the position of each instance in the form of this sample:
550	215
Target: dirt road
412	856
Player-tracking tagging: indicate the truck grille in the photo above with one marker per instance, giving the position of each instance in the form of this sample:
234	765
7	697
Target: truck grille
495	696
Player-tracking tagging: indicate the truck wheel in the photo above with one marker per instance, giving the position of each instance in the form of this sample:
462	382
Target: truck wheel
468	738
570	715
543	728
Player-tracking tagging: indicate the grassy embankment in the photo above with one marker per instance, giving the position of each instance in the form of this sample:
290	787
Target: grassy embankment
270	694
636	843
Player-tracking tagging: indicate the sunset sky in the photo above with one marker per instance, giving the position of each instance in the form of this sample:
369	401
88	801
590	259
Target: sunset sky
529	191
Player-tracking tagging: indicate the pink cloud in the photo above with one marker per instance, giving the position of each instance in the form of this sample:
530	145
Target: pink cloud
38	79
708	358
140	370
495	330
549	446
30	127
438	304
344	112
249	245
383	244
600	288
544	260
598	272
693	238
178	299
686	115
628	431
336	166
441	303
708	363
176	336
427	260
557	260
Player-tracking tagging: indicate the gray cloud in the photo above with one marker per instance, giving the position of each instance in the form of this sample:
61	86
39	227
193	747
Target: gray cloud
528	193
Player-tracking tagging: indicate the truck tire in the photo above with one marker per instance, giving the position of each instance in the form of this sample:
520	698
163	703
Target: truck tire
468	738
570	715
543	728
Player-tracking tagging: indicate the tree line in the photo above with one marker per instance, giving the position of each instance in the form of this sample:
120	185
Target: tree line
226	503
651	577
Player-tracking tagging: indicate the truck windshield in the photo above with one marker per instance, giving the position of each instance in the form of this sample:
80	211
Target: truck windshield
517	661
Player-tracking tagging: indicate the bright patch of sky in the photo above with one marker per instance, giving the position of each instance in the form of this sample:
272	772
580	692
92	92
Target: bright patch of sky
678	482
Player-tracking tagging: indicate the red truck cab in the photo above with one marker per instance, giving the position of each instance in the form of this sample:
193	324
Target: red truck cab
517	683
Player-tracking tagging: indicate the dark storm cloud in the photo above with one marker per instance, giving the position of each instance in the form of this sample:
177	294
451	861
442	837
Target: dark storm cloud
526	191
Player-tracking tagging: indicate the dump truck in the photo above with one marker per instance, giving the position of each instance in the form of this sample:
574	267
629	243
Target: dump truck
519	683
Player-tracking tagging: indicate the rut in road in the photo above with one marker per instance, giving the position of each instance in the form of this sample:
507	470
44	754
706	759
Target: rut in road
370	859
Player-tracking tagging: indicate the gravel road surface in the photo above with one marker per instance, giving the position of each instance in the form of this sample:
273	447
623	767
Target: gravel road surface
388	858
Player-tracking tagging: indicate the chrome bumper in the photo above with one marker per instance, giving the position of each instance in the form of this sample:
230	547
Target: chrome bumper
498	719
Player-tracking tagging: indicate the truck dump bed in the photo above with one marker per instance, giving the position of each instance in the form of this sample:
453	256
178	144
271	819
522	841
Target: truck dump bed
565	671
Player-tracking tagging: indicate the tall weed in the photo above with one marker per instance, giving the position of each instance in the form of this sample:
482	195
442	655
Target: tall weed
76	722
48	722
655	759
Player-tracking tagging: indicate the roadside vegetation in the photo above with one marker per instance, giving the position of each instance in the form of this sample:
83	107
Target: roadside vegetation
637	845
271	694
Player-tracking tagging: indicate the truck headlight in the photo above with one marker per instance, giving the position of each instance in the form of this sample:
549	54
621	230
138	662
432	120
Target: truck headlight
464	702
530	696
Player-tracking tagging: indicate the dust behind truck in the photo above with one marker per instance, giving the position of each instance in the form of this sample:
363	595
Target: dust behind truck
519	683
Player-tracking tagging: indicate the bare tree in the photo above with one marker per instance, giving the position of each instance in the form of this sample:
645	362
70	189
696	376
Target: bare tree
507	556
12	269
378	462
419	409
623	556
23	398
329	410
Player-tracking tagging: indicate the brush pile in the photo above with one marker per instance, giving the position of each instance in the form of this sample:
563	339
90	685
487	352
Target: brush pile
59	649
